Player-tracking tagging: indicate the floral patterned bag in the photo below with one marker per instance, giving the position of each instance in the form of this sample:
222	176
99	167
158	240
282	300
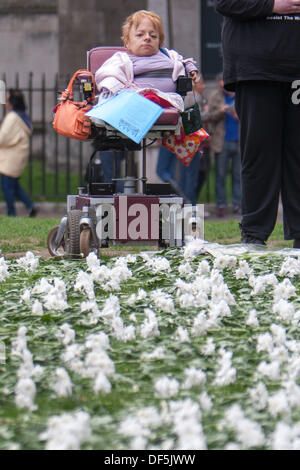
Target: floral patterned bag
185	146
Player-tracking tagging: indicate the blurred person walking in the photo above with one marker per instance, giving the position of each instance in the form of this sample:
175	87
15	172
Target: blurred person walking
15	132
225	145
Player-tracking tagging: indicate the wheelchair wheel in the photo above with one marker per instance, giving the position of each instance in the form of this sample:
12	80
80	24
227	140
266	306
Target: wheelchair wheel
73	246
58	251
87	244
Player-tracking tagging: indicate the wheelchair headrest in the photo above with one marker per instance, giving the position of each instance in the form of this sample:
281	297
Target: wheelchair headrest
98	55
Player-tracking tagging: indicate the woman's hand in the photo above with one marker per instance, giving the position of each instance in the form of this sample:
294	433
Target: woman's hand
195	76
286	7
198	82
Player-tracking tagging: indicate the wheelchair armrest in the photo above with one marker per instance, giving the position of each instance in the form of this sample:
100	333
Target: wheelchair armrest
184	84
86	85
169	117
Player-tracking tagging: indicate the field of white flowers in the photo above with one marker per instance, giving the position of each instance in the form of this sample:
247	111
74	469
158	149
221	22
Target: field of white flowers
193	348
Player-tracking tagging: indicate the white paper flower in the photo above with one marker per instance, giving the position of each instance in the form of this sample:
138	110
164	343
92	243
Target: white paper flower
92	261
97	341
149	326
193	378
284	309
259	396
248	433
205	402
66	334
224	261
252	319
284	290
209	348
84	283
166	387
264	342
182	335
203	268
25	394
158	354
290	267
4	273
185	269
102	384
62	385
162	301
67	431
272	370
226	374
25	297
29	262
158	264
278	404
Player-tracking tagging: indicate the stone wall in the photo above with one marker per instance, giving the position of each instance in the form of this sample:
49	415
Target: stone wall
97	24
28	40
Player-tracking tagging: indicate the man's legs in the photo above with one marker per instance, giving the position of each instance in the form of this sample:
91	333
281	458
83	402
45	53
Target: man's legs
290	190
107	163
188	180
221	160
260	108
236	174
165	169
166	164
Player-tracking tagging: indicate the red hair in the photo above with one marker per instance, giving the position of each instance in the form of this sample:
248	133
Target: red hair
135	19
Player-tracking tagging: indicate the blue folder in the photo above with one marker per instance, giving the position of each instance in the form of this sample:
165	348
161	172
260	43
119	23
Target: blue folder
129	112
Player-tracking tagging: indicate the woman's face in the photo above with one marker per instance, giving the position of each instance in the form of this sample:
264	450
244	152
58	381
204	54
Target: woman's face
8	105
143	40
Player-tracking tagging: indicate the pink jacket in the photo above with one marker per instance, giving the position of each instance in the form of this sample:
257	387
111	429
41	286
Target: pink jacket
116	74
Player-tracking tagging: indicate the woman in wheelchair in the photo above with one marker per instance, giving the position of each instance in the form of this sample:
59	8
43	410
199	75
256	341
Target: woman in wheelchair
146	68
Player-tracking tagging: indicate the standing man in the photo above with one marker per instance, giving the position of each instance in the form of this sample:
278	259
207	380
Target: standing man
225	145
261	61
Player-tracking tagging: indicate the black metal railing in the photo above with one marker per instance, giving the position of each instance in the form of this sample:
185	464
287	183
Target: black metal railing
56	166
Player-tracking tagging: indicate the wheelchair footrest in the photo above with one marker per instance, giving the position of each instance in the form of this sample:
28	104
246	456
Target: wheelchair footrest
99	189
159	189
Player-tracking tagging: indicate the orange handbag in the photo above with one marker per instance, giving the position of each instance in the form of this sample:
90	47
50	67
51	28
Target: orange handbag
70	119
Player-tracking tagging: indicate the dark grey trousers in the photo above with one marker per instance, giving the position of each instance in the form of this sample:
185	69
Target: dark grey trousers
270	157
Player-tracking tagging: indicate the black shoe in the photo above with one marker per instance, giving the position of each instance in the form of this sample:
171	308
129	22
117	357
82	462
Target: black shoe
33	212
296	243
247	238
252	239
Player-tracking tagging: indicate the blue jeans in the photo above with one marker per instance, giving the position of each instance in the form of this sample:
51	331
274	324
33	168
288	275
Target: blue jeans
166	164
107	162
231	152
188	180
11	191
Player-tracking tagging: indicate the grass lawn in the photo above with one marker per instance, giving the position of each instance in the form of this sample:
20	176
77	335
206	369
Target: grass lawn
23	234
48	186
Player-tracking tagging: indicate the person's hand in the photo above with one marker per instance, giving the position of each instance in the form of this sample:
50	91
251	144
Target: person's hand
224	108
286	7
195	76
234	114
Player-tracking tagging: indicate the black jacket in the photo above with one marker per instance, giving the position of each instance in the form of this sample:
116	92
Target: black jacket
257	44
